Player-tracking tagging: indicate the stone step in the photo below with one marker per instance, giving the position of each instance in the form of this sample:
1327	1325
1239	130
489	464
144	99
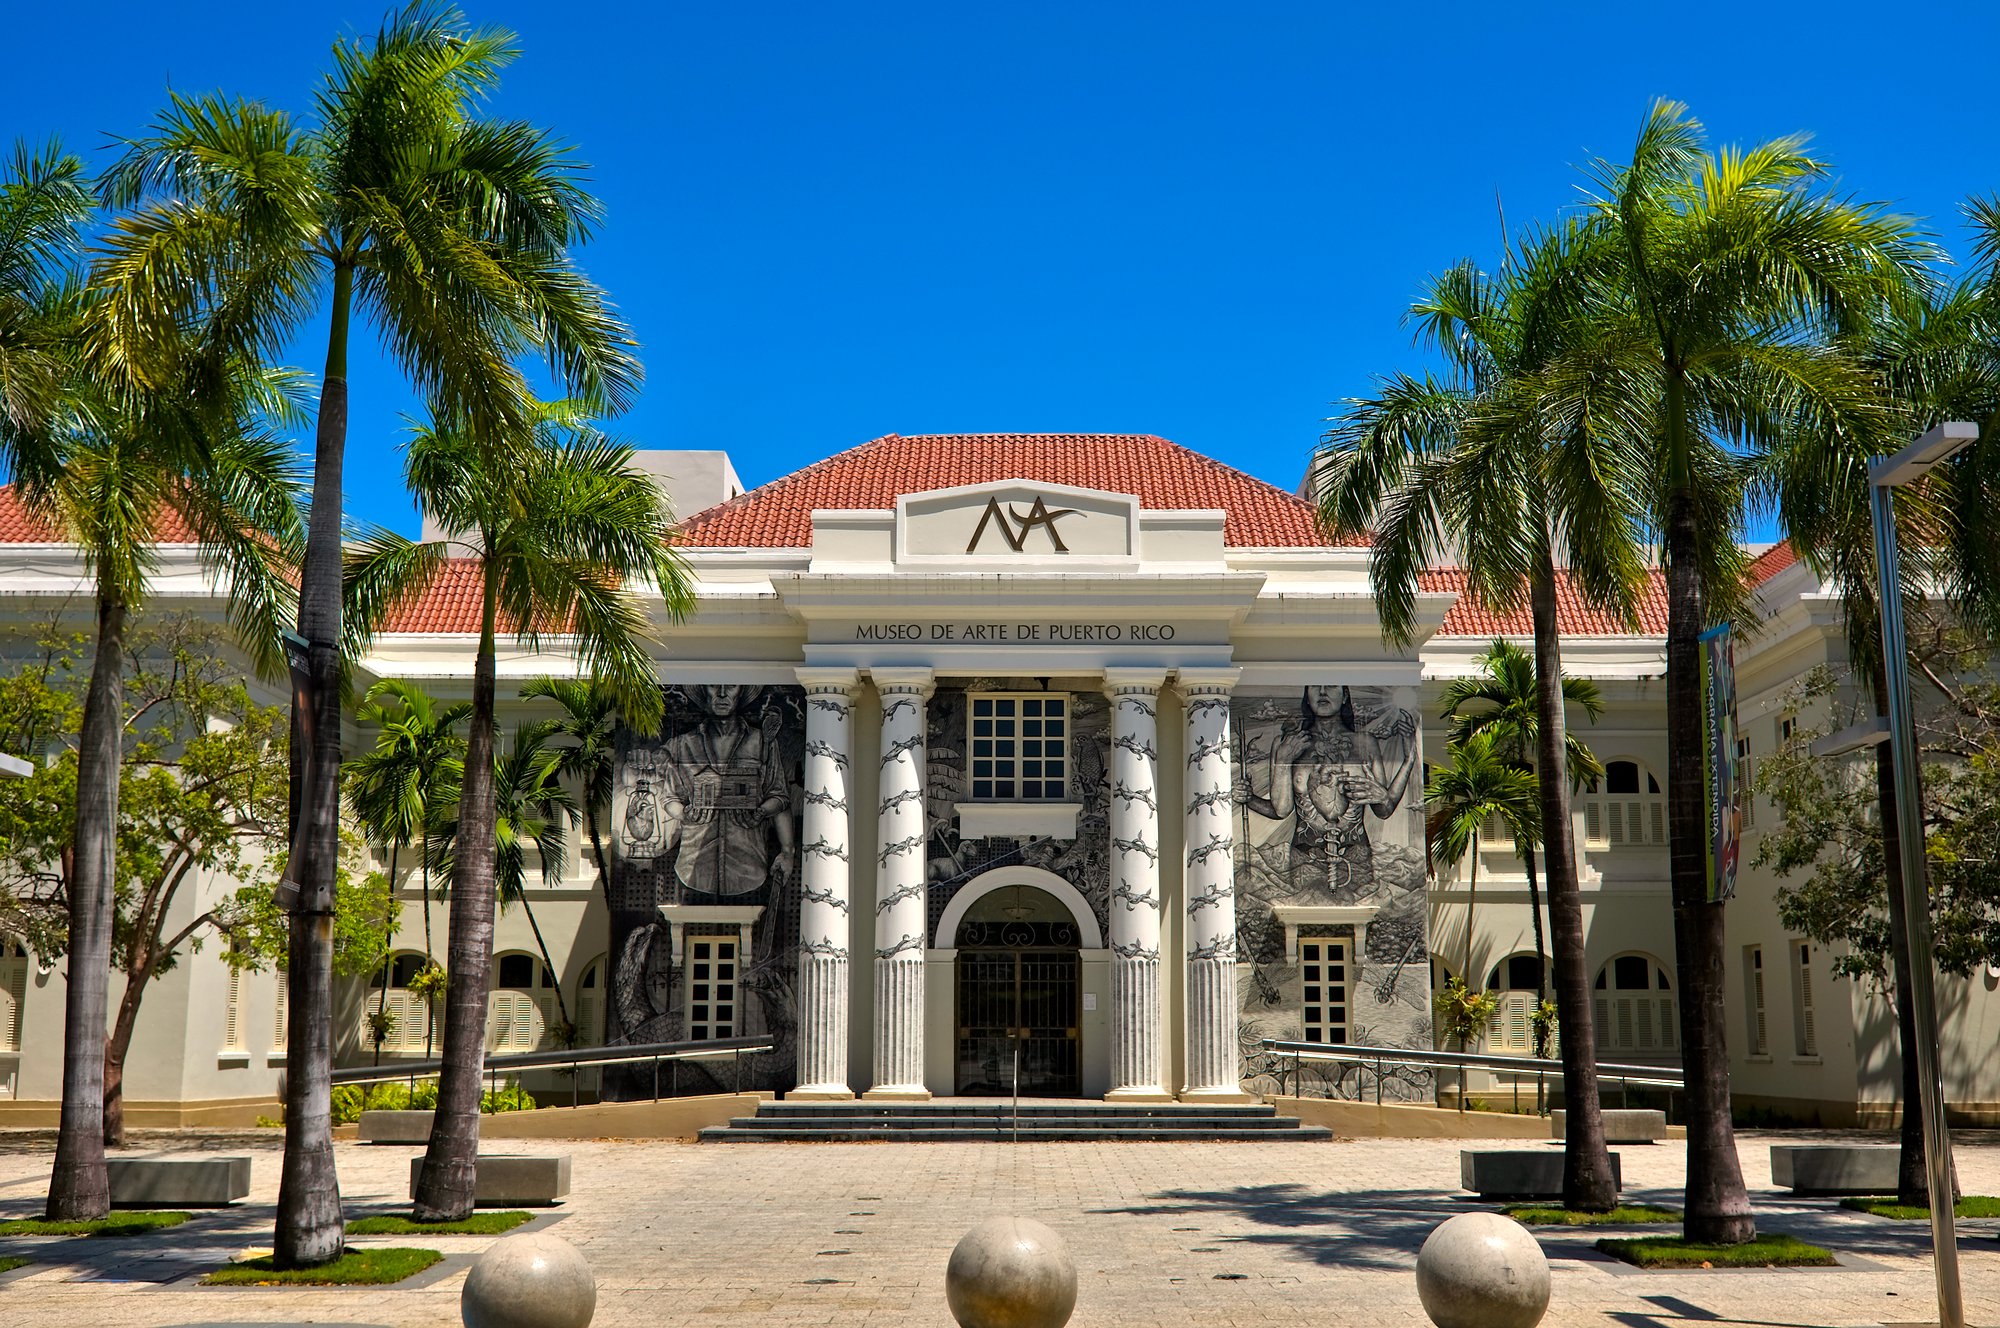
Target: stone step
1260	1124
1107	1110
1036	1133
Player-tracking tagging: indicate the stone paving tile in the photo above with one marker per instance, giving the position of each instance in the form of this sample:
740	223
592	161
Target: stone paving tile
723	1235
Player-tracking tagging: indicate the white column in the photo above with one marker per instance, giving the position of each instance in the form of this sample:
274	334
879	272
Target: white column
1136	1062
826	878
1212	1050
901	908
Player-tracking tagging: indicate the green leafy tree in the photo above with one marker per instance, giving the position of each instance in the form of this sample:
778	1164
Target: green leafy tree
1509	454
1504	698
451	232
561	522
1727	276
398	787
202	776
1935	351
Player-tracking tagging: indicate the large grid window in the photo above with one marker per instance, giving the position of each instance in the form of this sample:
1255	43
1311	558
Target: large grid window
711	979
1020	747
1323	975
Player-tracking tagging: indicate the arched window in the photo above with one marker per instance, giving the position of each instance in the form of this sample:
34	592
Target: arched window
1627	807
1634	1006
13	991
1517	982
413	1028
590	1004
522	1004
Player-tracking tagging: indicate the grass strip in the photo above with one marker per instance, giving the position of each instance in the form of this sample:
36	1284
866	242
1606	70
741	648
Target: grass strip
9	1262
479	1224
1772	1250
118	1224
1971	1205
354	1268
1624	1215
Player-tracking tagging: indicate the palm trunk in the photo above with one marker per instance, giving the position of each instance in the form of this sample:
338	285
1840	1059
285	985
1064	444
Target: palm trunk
388	943
548	964
310	1230
1535	915
430	1006
597	849
444	1189
79	1188
1717	1205
1587	1179
1465	981
1912	1180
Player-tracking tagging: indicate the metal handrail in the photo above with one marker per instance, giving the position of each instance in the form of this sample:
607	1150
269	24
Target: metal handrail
1659	1074
1519	1067
572	1058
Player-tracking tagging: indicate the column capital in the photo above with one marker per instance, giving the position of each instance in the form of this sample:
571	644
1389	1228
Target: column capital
906	681
1125	682
1207	682
823	679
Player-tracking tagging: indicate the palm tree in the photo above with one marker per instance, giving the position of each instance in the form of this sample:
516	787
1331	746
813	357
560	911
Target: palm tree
530	806
589	725
44	205
451	233
1507	697
1727	275
136	461
396	788
1475	785
1502	461
560	520
1933	350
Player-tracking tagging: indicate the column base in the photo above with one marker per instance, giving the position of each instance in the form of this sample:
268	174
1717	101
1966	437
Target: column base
1218	1095
1141	1094
821	1093
898	1093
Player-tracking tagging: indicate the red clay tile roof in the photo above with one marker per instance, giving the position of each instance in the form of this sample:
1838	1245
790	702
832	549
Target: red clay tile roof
19	526
1162	475
1772	561
1573	616
449	604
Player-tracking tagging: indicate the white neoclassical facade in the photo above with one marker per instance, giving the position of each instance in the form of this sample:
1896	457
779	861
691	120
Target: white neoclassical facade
1075	762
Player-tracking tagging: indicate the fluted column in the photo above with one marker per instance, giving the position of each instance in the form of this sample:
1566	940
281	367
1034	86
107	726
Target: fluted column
826	878
1212	1049
901	920
1136	1062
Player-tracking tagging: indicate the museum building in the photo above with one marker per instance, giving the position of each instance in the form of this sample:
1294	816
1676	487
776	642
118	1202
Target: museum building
1074	757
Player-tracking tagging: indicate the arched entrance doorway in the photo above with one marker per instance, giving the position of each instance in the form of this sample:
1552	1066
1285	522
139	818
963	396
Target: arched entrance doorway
1019	995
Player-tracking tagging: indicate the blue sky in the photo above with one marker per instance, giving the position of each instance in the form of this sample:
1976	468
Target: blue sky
830	222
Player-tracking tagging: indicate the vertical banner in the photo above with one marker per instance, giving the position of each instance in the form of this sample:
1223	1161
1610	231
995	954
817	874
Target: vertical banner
1725	799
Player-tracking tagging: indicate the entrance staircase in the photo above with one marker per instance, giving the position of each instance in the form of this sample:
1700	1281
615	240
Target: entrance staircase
944	1120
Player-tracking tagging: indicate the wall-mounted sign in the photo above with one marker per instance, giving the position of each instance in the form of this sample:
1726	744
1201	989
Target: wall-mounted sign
1014	633
1015	525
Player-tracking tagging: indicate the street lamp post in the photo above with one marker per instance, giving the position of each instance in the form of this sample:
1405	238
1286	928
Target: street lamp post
1884	476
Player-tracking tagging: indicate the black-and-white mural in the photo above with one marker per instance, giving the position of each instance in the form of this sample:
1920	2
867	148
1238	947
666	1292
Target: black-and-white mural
1083	861
707	814
1329	794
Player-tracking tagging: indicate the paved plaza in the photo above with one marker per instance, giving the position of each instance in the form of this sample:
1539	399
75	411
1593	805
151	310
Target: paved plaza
853	1234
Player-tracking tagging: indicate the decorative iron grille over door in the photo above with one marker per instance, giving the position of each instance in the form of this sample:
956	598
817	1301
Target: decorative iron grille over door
1025	996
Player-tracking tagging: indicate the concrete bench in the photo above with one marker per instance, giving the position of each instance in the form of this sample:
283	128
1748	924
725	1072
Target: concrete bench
177	1182
1835	1168
1623	1126
1519	1174
511	1180
396	1127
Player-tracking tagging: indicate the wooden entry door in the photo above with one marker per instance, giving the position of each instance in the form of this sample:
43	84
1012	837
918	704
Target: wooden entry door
1024	998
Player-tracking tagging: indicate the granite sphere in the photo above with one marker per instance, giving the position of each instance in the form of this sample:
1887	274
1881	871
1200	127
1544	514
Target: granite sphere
1482	1270
1010	1272
532	1280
